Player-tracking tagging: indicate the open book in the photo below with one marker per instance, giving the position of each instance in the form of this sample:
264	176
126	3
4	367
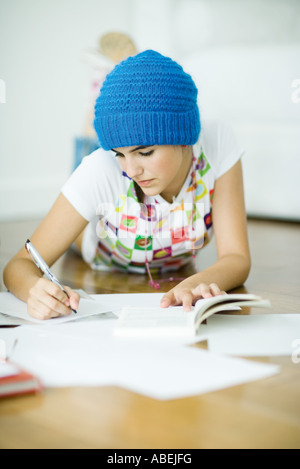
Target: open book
174	321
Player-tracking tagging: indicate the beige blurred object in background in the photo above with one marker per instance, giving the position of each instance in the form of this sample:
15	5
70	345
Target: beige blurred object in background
116	46
113	47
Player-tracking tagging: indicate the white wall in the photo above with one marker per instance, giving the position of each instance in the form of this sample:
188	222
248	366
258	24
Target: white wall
41	46
245	58
244	54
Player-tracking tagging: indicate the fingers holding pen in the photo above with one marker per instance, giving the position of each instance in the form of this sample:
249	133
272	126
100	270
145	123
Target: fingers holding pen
73	300
46	300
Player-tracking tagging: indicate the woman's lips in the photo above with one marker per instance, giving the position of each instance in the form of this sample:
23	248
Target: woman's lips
145	183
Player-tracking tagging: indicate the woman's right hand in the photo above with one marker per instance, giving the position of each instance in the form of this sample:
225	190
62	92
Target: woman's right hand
46	300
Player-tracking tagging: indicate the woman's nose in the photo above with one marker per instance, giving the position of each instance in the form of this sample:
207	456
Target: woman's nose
133	168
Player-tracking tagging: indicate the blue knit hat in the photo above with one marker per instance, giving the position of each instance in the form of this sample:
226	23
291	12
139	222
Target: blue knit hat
147	100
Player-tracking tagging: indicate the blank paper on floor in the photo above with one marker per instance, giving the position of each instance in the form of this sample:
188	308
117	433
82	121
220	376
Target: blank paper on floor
88	354
10	306
253	335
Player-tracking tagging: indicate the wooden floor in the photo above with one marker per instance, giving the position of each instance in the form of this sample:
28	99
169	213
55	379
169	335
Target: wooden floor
262	414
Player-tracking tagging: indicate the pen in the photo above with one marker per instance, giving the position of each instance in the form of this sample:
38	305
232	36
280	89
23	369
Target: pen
41	264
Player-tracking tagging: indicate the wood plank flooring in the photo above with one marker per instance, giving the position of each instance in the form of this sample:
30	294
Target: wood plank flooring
260	414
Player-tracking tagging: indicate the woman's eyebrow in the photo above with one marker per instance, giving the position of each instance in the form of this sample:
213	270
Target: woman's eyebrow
141	147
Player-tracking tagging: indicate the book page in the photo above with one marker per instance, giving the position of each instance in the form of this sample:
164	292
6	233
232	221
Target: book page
228	302
142	321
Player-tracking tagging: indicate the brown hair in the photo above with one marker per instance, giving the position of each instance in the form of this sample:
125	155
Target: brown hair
140	194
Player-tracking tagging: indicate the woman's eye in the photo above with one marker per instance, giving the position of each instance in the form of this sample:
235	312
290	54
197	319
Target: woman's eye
147	153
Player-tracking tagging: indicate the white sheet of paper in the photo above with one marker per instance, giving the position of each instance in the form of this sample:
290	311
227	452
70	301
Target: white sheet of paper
7	369
253	335
173	372
88	354
89	306
118	300
12	306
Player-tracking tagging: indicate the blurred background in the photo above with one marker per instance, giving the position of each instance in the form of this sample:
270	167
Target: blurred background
244	56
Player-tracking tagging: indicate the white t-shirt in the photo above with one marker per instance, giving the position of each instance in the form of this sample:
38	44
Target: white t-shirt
123	233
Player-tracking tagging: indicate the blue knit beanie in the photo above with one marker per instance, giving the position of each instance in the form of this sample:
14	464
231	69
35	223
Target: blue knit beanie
147	100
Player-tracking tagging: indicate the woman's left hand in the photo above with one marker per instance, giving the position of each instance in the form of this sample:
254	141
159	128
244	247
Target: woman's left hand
185	294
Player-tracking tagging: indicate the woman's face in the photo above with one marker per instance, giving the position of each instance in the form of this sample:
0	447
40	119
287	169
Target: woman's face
157	169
